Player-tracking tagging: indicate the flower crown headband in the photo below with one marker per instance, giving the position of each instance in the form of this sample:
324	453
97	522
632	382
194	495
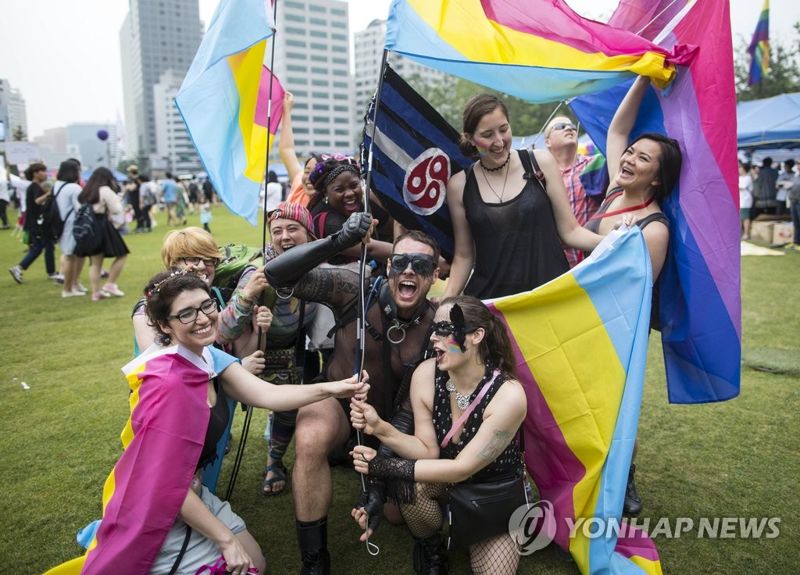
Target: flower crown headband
157	286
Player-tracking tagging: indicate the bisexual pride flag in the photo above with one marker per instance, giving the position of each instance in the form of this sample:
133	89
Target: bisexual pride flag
224	101
580	343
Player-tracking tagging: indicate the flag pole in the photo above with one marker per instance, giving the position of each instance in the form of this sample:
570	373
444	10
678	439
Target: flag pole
372	548
249	409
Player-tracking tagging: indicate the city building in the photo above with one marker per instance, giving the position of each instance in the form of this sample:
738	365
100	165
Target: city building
13	116
312	60
368	54
156	36
174	149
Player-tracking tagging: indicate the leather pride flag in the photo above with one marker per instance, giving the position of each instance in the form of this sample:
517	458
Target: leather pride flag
415	154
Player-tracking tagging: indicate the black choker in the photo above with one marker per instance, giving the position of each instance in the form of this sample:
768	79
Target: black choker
498	168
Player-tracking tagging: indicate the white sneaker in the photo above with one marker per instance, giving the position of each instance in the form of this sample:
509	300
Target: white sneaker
72	293
79	288
112	289
16	273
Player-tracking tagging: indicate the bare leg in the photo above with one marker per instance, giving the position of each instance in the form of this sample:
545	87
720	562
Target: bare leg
116	269
321	426
68	267
95	265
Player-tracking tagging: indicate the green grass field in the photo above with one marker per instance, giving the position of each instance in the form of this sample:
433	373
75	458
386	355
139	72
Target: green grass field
60	438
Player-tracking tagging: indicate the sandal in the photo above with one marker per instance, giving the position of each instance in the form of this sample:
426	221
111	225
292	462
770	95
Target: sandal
279	473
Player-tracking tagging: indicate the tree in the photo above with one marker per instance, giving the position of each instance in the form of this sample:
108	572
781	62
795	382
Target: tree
784	69
19	135
449	97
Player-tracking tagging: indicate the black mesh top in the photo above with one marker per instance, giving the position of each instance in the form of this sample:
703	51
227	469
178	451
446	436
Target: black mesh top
517	247
508	463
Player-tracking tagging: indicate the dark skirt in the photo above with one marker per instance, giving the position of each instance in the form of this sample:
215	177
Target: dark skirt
113	245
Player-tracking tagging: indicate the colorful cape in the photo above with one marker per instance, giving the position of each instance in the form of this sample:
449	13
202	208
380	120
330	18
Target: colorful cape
581	347
162	442
224	101
700	303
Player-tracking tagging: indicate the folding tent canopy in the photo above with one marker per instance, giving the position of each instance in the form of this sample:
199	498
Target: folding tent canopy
769	123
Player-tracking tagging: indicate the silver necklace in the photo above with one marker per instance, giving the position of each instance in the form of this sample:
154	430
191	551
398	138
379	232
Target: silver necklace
501	195
462	401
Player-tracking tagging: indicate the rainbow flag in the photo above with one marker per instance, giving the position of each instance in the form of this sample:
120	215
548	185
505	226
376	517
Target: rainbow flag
759	48
224	102
594	177
581	348
162	443
540	54
699	304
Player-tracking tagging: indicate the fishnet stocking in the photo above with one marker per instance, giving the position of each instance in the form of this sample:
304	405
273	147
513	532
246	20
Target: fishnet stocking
495	556
424	516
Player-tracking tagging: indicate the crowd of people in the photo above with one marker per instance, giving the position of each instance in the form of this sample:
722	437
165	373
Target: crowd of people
765	190
437	404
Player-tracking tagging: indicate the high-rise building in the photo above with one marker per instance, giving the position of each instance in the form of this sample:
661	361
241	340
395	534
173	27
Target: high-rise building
368	54
156	36
173	145
12	111
312	60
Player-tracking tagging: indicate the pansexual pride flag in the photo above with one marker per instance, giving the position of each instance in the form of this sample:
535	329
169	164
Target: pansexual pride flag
162	442
700	305
539	51
759	48
581	347
224	102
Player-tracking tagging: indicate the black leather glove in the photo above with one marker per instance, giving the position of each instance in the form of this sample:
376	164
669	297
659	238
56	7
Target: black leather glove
286	269
372	501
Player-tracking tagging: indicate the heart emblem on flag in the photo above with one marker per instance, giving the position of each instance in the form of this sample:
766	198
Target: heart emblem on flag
426	182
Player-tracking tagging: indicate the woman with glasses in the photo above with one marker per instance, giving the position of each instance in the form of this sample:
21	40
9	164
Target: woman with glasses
158	517
509	211
193	249
472	373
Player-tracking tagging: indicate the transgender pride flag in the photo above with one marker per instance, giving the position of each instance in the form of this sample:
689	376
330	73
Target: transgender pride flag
224	101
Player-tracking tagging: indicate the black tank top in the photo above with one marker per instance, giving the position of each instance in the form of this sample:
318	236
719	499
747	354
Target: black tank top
217	422
507	464
517	247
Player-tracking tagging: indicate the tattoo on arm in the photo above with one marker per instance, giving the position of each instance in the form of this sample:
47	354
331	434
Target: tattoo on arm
496	445
331	286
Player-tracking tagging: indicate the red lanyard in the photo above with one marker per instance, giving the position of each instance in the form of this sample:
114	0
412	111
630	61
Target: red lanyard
623	210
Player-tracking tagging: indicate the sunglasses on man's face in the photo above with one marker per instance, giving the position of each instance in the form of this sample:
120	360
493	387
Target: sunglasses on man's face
564	126
421	264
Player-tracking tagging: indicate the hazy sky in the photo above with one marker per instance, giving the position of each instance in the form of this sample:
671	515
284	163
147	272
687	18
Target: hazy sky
64	56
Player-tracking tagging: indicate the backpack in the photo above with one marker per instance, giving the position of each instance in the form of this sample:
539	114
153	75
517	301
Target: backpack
50	219
234	260
87	230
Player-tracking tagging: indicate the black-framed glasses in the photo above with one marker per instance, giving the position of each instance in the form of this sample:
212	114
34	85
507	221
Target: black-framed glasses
207	262
189	315
421	264
447	328
564	126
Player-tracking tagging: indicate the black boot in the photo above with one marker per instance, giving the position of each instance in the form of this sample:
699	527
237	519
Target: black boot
430	557
633	504
312	537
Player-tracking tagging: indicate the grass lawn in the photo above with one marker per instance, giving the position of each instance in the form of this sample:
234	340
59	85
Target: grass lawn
60	438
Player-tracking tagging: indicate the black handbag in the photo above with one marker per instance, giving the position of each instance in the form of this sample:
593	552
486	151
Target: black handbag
478	511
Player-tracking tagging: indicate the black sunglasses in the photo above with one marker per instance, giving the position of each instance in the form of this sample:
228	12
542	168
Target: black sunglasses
189	314
421	264
445	328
